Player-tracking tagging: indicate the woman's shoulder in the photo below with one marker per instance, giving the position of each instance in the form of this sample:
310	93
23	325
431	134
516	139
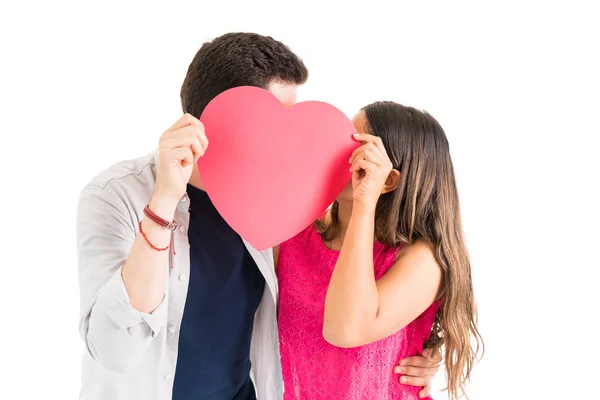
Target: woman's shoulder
420	248
421	254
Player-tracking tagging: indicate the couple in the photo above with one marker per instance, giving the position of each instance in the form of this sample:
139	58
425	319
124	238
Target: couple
175	305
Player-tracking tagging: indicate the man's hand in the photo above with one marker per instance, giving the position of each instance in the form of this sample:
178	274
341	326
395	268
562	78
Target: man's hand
179	149
420	370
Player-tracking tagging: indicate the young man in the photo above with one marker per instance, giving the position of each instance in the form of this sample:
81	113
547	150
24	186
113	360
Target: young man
174	304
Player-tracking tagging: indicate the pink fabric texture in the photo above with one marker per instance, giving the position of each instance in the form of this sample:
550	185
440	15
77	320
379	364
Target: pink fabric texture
314	369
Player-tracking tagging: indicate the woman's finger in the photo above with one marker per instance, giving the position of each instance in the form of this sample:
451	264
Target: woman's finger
373	154
357	152
376	140
370	151
377	155
362	164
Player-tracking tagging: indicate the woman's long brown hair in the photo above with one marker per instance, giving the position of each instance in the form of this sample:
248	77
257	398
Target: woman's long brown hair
425	206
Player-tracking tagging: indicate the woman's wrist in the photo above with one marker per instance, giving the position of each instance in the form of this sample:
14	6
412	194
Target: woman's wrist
364	208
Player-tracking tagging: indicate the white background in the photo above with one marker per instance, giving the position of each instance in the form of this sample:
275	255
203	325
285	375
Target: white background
515	85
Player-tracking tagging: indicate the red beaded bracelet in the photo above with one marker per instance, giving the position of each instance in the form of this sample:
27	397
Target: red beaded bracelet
161	222
150	243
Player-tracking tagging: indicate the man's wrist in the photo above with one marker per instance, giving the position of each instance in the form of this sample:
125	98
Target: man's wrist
163	207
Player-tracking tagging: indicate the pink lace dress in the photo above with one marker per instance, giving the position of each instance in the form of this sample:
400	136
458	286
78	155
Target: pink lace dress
314	369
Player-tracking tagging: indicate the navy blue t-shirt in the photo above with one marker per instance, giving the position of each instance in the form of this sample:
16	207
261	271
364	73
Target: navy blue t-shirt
225	289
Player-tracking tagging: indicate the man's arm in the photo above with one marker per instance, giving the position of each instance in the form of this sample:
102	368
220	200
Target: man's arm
144	273
123	275
115	332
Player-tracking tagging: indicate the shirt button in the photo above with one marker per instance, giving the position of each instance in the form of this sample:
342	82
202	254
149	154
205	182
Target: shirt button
184	198
167	377
182	228
182	277
171	329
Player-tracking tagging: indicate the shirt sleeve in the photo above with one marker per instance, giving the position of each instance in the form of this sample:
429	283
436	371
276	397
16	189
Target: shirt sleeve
115	334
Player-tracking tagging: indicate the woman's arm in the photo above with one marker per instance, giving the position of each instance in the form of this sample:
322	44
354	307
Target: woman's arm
360	310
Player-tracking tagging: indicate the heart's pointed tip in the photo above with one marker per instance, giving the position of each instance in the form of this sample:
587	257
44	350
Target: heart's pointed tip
260	247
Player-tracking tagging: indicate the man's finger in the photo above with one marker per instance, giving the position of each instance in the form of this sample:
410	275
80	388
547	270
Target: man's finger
197	149
418	361
185	120
414	380
194	143
188	130
185	137
183	154
425	392
203	139
433	355
415	371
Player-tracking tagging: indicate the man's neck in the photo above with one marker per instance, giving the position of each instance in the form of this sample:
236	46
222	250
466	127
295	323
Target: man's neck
196	180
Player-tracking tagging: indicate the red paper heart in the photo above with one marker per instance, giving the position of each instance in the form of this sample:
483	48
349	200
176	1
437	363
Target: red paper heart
271	171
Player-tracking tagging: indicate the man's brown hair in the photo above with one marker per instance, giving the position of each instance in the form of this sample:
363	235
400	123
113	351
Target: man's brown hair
238	59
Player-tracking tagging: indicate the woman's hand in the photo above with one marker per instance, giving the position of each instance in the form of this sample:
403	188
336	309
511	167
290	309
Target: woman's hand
370	169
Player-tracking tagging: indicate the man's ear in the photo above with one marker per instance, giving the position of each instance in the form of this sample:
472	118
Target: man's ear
391	183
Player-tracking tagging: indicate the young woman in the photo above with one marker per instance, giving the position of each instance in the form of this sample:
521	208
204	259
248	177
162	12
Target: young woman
384	274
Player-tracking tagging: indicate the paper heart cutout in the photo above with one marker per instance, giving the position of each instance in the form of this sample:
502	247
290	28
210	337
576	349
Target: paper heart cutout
272	171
